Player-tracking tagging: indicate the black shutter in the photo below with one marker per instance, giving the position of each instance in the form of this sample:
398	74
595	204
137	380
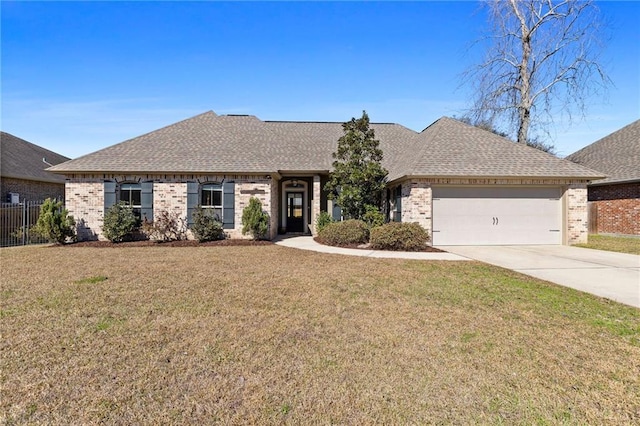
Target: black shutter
192	200
109	195
228	205
146	201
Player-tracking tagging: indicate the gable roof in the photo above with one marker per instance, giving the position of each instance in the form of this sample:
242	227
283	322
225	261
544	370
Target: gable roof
209	143
616	155
24	160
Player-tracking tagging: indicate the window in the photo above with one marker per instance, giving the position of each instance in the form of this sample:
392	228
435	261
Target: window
131	195
211	199
397	208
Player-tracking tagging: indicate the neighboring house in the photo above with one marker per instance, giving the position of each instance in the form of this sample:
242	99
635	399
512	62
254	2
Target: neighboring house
616	199
23	174
463	184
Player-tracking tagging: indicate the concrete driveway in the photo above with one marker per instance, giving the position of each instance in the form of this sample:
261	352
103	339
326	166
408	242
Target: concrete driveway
615	276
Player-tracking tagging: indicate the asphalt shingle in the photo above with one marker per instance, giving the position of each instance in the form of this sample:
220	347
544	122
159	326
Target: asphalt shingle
451	148
617	155
208	143
24	160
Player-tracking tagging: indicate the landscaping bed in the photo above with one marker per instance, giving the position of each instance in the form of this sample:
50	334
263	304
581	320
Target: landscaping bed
178	243
427	248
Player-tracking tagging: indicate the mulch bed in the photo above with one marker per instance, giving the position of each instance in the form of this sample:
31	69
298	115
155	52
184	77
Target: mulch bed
181	243
194	243
427	249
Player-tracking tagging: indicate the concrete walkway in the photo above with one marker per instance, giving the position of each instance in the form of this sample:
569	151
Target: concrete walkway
307	243
615	276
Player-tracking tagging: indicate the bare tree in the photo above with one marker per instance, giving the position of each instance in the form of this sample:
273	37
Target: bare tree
543	61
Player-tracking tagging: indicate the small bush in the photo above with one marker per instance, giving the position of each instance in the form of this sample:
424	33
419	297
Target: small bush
165	227
345	233
205	227
54	224
254	220
322	221
119	223
373	217
399	236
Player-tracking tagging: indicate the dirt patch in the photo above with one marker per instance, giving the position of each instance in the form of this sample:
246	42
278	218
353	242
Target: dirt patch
427	249
181	243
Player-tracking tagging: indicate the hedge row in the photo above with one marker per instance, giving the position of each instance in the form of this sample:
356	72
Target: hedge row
390	236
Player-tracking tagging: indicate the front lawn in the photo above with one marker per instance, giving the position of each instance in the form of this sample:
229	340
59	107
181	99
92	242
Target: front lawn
613	243
272	335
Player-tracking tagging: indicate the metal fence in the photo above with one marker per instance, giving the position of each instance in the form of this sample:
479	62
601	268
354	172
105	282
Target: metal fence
16	220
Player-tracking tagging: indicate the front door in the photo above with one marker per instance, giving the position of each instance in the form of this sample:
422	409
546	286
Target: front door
295	221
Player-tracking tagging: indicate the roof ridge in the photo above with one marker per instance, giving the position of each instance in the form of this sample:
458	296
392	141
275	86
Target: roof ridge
326	122
33	145
206	113
609	136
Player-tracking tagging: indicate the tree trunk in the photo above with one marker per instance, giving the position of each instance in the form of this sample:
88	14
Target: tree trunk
525	102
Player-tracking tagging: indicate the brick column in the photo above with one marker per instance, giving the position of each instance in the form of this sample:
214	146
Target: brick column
416	202
315	204
577	216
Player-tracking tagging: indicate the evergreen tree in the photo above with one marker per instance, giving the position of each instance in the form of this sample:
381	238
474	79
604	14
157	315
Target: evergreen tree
358	179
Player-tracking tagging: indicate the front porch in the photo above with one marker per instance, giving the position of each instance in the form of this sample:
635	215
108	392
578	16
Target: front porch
300	201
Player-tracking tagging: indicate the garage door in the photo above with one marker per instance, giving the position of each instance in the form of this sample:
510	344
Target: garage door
496	215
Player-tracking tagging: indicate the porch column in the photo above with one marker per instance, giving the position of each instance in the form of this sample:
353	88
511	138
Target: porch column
315	205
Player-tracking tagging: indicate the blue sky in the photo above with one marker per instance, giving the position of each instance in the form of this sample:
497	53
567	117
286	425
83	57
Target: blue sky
80	76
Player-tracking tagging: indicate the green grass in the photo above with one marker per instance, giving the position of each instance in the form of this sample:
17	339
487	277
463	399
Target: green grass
620	244
271	335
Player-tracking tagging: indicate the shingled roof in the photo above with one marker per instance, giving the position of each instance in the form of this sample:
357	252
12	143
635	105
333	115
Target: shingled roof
616	155
209	143
24	160
451	148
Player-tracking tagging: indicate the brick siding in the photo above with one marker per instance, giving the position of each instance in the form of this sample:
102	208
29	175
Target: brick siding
577	223
617	208
31	190
85	199
416	203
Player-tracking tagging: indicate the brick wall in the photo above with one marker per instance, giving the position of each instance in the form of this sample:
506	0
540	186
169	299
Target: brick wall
416	202
85	198
577	225
617	208
263	189
85	202
31	190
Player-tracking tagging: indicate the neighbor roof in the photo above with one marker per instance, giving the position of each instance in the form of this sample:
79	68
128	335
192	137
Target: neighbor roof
24	160
616	155
209	143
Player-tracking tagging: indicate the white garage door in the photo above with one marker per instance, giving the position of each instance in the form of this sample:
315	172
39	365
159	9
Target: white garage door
496	215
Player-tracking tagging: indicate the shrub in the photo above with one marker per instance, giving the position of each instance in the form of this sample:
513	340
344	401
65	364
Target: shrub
322	221
119	223
254	220
373	217
205	227
165	227
399	236
349	232
53	223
